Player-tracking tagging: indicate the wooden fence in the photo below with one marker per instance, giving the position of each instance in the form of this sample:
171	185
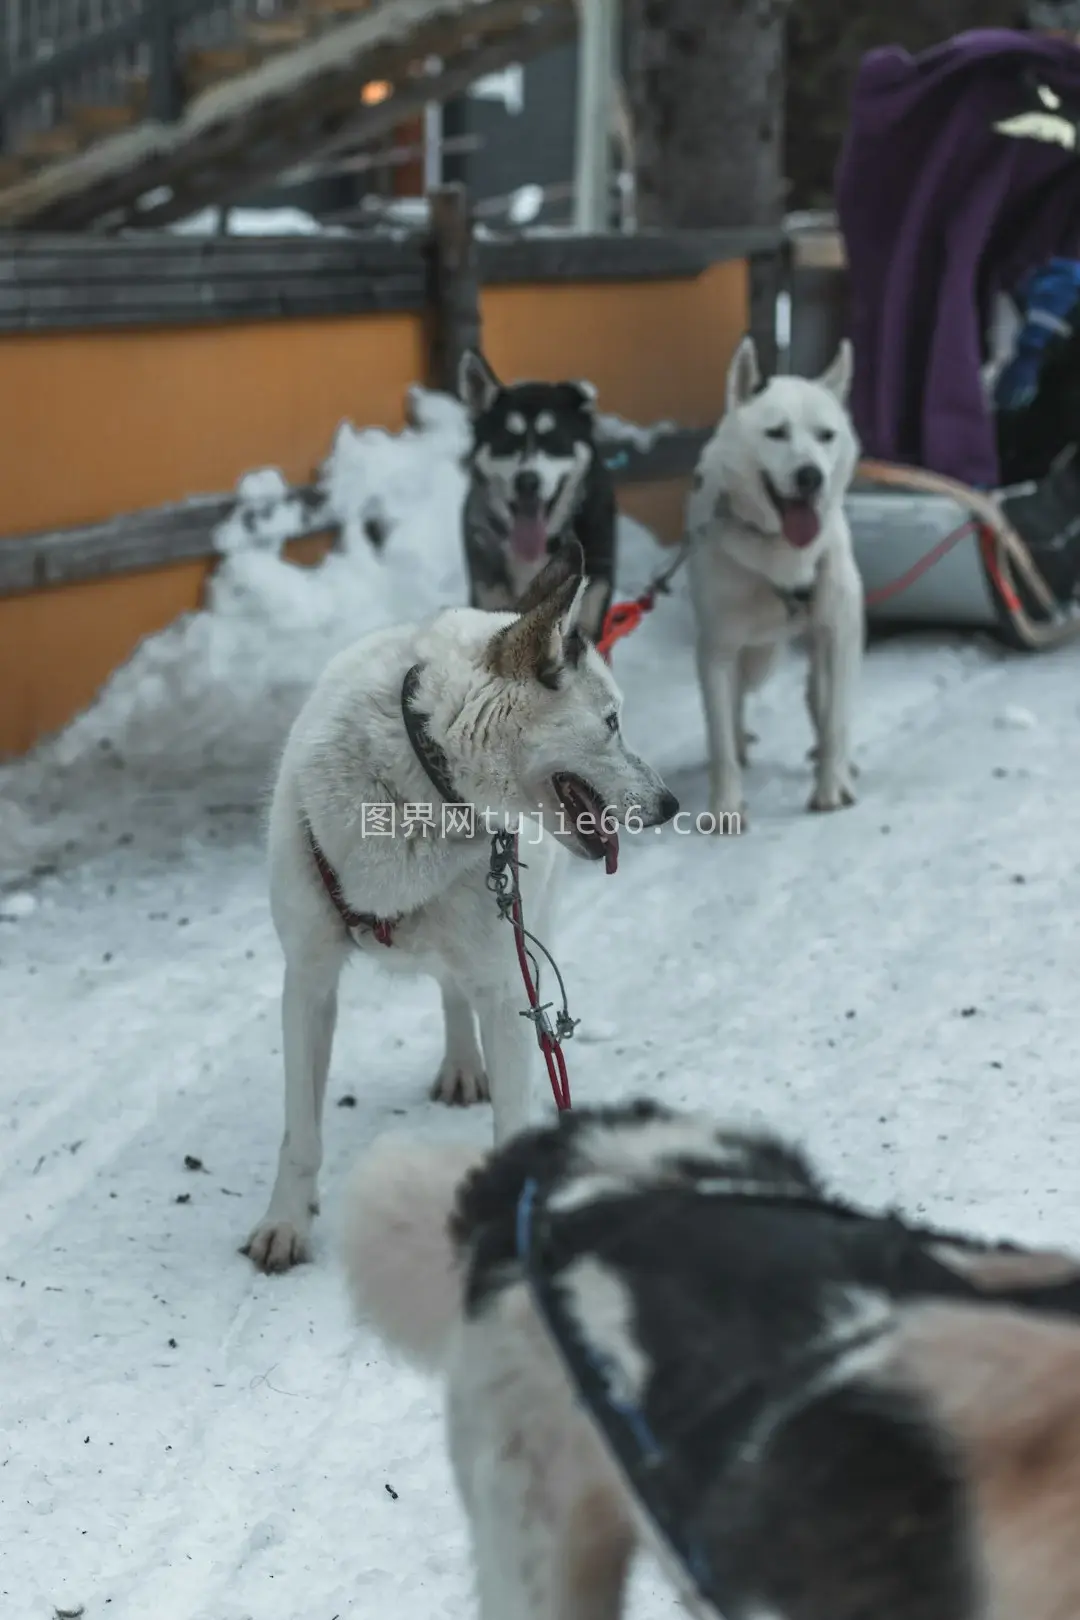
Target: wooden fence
145	375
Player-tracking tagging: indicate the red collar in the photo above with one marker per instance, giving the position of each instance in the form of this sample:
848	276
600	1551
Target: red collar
381	927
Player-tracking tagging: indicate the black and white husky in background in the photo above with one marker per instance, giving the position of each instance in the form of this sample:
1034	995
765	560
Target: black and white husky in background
535	473
657	1330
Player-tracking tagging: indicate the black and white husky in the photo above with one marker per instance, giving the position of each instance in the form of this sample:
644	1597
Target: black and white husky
656	1330
535	473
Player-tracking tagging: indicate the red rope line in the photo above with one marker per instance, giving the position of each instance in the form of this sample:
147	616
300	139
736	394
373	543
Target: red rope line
924	564
549	1045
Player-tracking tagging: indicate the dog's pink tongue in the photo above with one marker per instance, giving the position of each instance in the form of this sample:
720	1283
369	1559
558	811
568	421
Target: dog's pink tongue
611	853
801	526
528	538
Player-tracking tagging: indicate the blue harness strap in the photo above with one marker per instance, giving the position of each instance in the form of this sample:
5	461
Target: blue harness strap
647	1468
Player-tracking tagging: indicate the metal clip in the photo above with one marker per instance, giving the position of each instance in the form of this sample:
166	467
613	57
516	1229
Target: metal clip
565	1025
538	1016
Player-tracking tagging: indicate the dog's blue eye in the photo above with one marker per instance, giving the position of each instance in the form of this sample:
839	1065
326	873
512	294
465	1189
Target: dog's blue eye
613	722
826	436
777	433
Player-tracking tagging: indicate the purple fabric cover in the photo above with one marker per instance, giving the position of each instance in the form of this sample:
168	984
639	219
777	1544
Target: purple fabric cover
938	212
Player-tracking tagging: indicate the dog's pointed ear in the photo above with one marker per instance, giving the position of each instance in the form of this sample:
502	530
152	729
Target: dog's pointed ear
584	395
545	639
744	374
567	564
837	377
477	383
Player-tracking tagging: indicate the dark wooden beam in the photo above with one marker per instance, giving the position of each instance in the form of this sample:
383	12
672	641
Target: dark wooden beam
158	538
64	282
185	532
453	304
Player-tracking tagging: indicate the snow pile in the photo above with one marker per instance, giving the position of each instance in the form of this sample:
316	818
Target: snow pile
191	726
255	222
203	707
616	430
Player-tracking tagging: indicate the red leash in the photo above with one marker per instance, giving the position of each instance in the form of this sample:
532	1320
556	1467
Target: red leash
549	1043
924	564
621	619
504	884
624	617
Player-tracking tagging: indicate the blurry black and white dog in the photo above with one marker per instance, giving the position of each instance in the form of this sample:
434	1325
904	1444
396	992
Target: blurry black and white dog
657	1330
535	474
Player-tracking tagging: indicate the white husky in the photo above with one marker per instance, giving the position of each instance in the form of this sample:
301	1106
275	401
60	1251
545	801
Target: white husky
771	559
416	745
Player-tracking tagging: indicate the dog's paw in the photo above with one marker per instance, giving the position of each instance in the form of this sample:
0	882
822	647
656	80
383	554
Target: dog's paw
812	754
746	739
277	1246
460	1085
840	797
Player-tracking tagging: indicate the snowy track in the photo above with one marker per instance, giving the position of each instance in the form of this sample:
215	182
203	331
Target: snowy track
183	1440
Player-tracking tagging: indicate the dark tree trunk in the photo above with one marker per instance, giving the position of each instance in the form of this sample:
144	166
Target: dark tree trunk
705	79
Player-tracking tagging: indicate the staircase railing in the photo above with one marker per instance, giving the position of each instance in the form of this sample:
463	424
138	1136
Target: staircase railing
56	53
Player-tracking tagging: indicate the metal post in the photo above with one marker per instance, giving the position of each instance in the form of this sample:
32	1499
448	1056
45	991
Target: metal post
433	147
598	64
166	92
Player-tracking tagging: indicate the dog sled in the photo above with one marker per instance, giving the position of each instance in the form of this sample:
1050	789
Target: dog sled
958	191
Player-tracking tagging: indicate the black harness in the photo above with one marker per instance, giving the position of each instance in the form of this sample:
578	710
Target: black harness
652	1473
749	1403
437	769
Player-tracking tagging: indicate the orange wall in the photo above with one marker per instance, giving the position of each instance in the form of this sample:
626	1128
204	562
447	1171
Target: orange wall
655	349
95	424
58	647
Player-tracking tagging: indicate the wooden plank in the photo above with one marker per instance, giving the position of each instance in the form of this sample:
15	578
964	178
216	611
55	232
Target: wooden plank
234	293
80	284
101	119
646	255
167	535
126	314
29	259
669	456
59	141
280	32
336	8
44	278
133	542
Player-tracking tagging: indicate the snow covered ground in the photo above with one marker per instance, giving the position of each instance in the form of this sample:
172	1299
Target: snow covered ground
181	1439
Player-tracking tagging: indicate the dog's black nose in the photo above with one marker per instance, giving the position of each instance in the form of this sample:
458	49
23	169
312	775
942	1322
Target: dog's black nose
808	480
527	486
669	806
